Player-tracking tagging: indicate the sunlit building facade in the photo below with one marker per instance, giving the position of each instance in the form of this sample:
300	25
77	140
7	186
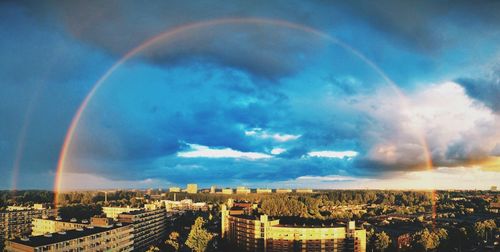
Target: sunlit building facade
227	191
261	233
281	190
242	190
192	188
46	225
116	237
303	190
264	190
184	205
174	189
113	212
149	226
17	221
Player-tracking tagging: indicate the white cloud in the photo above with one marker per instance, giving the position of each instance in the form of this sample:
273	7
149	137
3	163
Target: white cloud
333	154
277	151
440	178
200	151
455	126
258	132
326	178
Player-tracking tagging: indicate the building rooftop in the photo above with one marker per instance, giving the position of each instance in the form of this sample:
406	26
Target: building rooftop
304	225
12	209
43	240
134	212
252	217
298	222
308	222
71	220
247	217
236	208
141	211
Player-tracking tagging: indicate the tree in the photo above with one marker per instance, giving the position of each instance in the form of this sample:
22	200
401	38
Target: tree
483	229
382	241
153	249
173	241
427	240
199	237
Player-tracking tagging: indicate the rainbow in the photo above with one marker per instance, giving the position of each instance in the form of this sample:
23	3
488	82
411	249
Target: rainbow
171	33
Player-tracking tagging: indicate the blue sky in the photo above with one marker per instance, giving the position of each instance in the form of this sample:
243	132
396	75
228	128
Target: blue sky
251	104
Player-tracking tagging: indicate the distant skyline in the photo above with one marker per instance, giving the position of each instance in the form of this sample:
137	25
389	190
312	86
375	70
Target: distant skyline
310	94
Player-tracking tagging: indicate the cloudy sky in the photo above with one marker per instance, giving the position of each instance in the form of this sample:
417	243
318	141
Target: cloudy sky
321	94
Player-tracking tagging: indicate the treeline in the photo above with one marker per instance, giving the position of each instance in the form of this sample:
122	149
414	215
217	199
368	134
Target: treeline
411	199
398	198
336	197
80	211
118	198
287	206
463	238
25	197
323	205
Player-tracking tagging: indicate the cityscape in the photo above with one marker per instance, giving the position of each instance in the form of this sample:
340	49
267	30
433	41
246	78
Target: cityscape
248	219
249	125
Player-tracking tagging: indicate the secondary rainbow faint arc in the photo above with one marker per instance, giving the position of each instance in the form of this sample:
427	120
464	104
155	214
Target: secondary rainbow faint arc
171	33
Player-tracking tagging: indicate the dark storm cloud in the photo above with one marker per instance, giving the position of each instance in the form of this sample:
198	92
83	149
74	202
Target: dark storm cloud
212	86
485	90
119	26
41	85
424	25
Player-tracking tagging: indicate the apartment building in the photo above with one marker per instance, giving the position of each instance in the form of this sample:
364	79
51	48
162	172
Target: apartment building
47	225
242	190
113	212
283	190
16	220
263	190
261	233
303	190
192	188
149	226
115	237
227	191
184	205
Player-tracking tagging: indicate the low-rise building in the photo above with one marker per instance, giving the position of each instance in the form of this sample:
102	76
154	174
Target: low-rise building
227	191
264	190
495	207
184	205
280	190
117	237
149	226
113	212
303	190
242	190
174	189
